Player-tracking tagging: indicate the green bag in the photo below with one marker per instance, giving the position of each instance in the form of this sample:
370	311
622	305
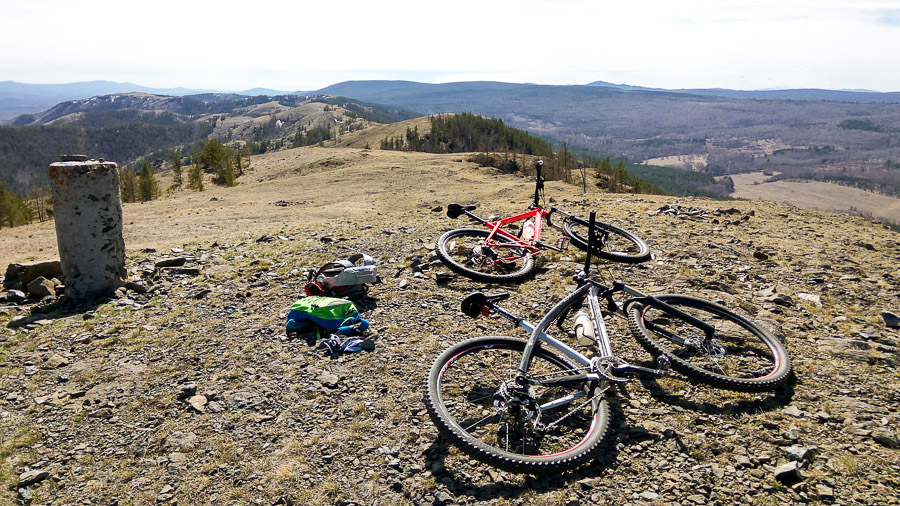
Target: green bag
329	314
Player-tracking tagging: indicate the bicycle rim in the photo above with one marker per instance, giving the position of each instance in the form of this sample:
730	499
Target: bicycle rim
614	243
740	356
464	251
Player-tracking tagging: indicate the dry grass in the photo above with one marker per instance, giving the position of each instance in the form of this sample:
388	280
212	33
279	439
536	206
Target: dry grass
817	195
407	183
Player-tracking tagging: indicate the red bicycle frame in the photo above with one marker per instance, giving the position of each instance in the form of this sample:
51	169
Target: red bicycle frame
517	242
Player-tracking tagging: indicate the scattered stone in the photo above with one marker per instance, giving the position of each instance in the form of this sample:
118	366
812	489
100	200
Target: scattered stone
800	453
29	478
171	262
789	472
329	380
198	402
890	319
886	437
41	287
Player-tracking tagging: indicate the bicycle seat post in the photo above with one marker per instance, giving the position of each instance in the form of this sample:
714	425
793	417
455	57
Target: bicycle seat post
590	243
539	184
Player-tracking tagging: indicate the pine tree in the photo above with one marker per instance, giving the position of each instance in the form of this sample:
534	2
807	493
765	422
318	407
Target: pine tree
128	187
148	187
177	180
195	177
228	175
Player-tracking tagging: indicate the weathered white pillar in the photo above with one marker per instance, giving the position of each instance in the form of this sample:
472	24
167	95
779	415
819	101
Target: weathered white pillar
87	210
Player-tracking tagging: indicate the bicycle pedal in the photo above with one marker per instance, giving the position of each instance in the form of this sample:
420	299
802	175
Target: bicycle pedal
663	363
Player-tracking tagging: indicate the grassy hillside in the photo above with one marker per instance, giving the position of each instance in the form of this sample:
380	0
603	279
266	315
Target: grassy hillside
191	392
134	127
732	134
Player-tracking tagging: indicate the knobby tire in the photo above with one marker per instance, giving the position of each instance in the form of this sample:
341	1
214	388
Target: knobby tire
457	250
744	356
465	381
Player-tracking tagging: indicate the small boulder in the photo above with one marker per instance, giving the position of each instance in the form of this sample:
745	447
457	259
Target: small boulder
29	478
890	319
886	437
15	296
41	287
788	473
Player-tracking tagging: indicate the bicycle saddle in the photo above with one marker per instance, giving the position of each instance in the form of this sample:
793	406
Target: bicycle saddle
454	210
473	304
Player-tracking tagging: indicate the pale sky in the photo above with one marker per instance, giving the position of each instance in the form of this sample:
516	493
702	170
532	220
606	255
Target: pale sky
301	45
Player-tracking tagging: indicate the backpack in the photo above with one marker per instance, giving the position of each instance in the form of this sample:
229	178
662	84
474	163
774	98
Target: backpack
324	316
343	278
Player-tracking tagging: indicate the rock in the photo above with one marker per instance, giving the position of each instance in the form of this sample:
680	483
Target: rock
800	453
890	319
41	287
824	492
55	361
24	274
31	477
187	391
648	495
810	297
15	296
171	262
136	287
792	411
760	255
788	473
329	380
198	402
886	437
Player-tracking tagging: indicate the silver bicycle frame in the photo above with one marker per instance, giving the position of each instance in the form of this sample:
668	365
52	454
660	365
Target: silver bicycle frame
601	335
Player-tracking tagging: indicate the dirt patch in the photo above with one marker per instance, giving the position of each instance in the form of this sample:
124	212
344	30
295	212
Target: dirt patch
817	195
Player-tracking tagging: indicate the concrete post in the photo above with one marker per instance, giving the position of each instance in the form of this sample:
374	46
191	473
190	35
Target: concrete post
87	210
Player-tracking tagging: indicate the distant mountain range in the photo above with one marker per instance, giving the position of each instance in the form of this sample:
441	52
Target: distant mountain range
787	94
850	136
22	98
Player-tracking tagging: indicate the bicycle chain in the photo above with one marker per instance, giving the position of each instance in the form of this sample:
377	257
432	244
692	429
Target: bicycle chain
572	412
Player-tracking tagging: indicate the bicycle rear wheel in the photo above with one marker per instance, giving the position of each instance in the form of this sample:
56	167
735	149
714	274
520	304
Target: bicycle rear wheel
740	356
464	251
615	244
472	398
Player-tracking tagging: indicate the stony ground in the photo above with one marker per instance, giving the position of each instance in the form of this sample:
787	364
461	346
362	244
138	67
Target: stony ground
192	394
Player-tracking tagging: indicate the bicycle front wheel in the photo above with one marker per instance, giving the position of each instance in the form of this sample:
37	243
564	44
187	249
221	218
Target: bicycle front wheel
464	252
473	399
740	355
614	243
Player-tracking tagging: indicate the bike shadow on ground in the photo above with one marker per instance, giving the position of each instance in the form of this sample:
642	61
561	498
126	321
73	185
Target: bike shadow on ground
734	403
465	477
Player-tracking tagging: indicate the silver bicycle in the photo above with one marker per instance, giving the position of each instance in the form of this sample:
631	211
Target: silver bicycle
540	406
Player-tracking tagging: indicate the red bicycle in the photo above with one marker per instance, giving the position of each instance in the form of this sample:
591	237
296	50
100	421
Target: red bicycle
496	254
